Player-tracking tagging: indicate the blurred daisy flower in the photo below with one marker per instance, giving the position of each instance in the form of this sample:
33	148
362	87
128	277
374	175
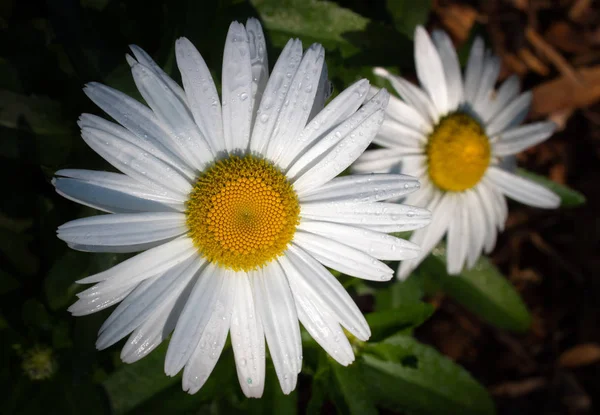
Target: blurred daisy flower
39	363
458	135
236	203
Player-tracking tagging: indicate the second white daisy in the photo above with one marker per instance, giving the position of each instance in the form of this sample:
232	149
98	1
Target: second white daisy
456	134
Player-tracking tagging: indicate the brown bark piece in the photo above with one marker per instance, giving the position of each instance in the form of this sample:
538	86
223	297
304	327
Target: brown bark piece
562	93
580	355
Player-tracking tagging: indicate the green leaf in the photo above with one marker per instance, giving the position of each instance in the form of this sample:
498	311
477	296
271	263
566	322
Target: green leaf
222	382
407	14
353	389
406	375
321	21
133	384
35	315
41	115
383	323
568	196
59	285
320	385
400	293
361	43
482	290
3	323
8	283
273	400
15	247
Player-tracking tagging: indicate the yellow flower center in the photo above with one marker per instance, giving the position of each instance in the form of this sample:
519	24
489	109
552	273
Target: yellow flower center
242	213
458	153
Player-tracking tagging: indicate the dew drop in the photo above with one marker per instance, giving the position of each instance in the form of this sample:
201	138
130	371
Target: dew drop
243	96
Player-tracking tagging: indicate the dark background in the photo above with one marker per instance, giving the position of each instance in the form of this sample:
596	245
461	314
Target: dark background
50	49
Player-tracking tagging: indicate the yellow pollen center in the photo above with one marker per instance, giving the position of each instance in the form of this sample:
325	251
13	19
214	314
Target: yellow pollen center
242	213
458	153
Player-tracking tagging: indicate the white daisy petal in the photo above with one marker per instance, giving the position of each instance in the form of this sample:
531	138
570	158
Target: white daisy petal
377	216
158	326
335	139
346	151
211	343
134	116
367	164
451	67
148	335
94	303
258	60
414	96
194	318
247	340
393	134
127	230
363	188
145	59
324	90
513	114
329	291
147	144
274	95
386	160
474	69
443	208
336	112
343	258
423	196
275	303
112	192
477	227
316	317
521	138
399	111
237	88
137	164
414	166
187	141
376	244
491	69
486	200
143	301
523	190
147	264
298	102
430	71
201	93
458	237
499	203
507	92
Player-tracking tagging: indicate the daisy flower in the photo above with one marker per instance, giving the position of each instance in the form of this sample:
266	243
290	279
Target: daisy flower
458	135
236	205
